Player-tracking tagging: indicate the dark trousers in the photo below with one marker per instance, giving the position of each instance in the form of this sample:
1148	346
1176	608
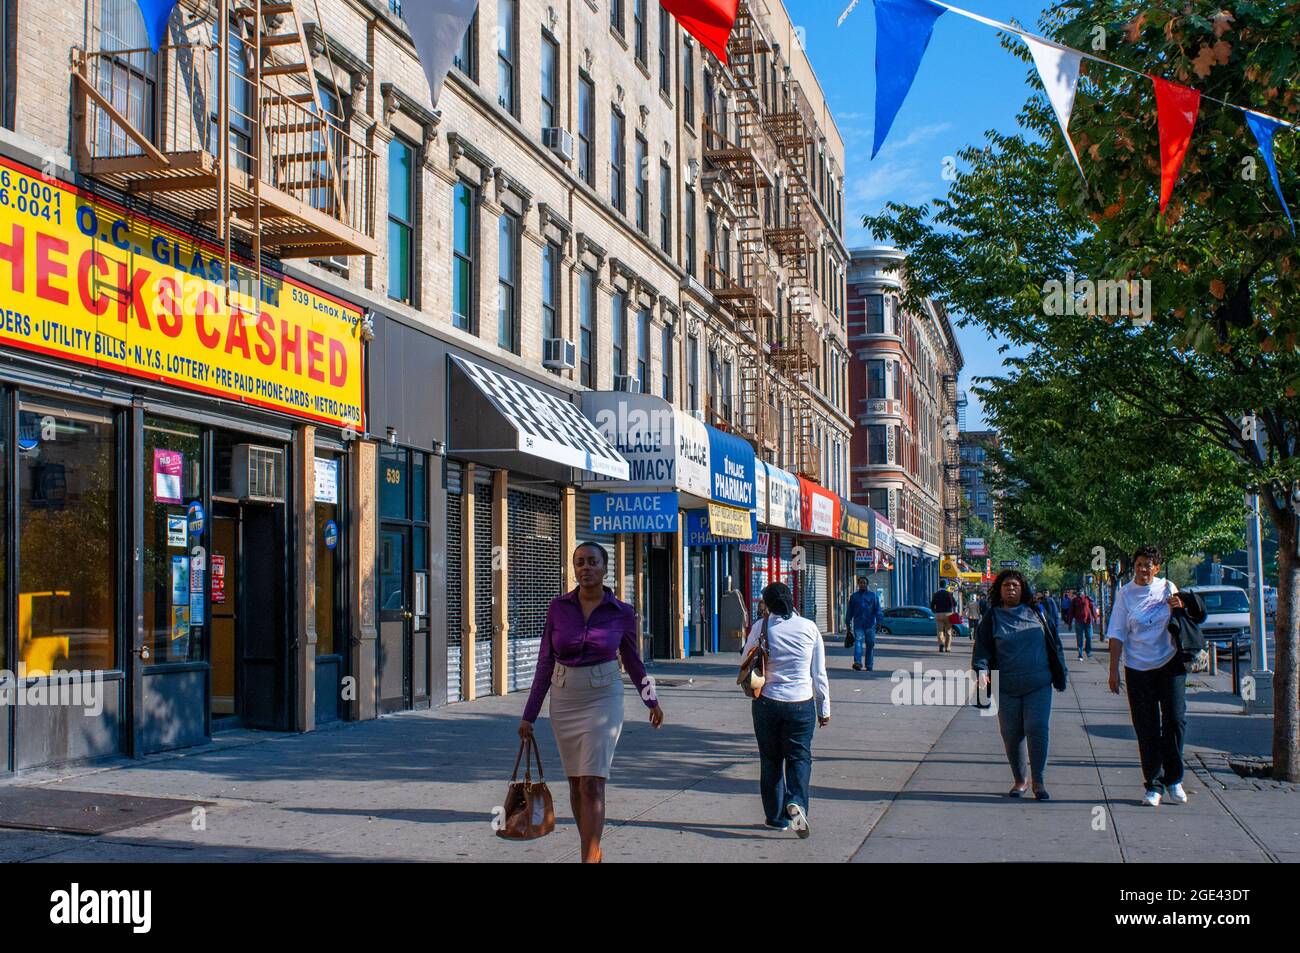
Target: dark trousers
1024	721
785	732
1083	636
1157	701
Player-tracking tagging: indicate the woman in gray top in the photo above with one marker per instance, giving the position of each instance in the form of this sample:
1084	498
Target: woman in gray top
1023	647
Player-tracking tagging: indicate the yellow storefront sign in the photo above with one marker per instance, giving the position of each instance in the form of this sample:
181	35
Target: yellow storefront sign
948	569
84	280
729	522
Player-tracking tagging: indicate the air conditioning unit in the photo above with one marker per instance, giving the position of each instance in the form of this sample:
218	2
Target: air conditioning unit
559	354
700	415
627	383
559	141
257	473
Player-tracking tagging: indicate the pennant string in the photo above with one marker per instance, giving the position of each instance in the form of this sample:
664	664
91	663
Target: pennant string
1025	34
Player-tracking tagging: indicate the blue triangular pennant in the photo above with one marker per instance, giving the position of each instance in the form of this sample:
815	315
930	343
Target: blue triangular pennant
903	29
156	14
1263	127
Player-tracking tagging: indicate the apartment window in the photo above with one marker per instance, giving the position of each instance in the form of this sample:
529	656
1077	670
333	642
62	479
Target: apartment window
587	329
710	248
689	215
506	55
617	161
726	391
726	251
642	172
127	80
508	282
640	41
665	52
586	129
618	331
466	58
401	218
875	378
643	349
692	373
666	363
464	210
714	388
875	314
665	207
550	82
616	15
877	450
550	290
688	84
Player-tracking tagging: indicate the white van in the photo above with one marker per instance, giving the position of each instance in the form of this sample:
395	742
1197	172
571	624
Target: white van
1227	617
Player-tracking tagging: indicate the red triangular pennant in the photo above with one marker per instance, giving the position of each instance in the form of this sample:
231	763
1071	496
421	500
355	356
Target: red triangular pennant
1176	109
709	21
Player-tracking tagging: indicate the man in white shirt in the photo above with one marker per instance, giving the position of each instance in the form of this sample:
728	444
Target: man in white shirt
1155	673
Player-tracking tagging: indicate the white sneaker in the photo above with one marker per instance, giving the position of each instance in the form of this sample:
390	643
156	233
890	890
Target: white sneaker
1177	794
798	819
1151	799
1080	658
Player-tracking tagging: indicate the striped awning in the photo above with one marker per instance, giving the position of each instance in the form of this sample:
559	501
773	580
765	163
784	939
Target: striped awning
514	425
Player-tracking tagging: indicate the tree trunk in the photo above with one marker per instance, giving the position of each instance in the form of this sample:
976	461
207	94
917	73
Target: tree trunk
1286	667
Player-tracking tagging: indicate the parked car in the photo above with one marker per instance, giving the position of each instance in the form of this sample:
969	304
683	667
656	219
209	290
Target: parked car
915	620
1227	617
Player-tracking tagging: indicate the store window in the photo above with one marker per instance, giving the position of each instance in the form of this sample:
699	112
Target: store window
175	609
67	537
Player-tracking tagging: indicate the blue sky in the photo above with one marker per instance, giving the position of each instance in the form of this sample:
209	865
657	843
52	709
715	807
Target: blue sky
967	83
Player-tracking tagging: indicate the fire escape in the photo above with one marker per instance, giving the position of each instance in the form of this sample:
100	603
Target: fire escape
951	413
225	128
765	139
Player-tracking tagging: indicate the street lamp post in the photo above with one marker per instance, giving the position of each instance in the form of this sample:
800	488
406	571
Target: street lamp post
1261	699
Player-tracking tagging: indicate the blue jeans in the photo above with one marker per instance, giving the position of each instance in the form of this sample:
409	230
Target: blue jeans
784	731
1083	636
864	642
1024	721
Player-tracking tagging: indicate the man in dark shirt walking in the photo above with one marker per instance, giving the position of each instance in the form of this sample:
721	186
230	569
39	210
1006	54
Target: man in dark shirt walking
943	606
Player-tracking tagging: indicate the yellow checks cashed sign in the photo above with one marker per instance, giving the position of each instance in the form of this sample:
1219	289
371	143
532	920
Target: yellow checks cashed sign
84	280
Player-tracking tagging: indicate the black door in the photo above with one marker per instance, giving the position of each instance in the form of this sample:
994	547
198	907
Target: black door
660	614
263	689
395	618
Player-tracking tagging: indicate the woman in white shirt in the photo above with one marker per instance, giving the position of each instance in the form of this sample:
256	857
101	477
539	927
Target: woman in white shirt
786	711
1155	673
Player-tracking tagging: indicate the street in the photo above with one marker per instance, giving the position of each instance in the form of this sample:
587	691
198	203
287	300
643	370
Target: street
890	783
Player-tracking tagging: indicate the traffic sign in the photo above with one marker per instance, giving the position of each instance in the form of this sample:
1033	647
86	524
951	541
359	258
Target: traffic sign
1010	564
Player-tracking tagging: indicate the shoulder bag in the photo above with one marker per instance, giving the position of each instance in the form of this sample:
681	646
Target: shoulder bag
753	670
529	810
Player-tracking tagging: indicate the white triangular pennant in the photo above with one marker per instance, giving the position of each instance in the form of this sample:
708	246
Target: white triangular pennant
1059	71
437	27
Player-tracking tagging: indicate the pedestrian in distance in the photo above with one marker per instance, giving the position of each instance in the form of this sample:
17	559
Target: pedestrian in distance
1066	599
1022	645
943	606
1154	671
794	701
973	602
586	631
1048	607
1083	613
864	614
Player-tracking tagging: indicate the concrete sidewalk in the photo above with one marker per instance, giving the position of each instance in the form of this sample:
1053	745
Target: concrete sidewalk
890	782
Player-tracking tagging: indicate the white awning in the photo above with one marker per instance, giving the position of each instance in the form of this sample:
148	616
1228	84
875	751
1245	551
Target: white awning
495	417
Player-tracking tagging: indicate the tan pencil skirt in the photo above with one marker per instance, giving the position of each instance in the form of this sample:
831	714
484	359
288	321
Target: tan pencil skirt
587	717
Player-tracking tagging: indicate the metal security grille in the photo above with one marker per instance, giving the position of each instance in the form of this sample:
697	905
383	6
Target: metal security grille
818	593
454	606
483	589
783	571
534	579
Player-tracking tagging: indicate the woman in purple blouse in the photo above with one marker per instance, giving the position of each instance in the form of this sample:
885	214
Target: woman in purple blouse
586	630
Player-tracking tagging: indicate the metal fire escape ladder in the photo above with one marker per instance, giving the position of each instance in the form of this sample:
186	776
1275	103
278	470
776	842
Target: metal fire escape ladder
952	537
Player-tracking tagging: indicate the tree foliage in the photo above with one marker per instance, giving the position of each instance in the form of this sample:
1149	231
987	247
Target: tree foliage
1161	404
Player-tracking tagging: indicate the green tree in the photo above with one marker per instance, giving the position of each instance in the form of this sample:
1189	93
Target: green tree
1220	348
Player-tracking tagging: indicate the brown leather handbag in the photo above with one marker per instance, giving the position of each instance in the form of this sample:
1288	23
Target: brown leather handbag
753	670
529	810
